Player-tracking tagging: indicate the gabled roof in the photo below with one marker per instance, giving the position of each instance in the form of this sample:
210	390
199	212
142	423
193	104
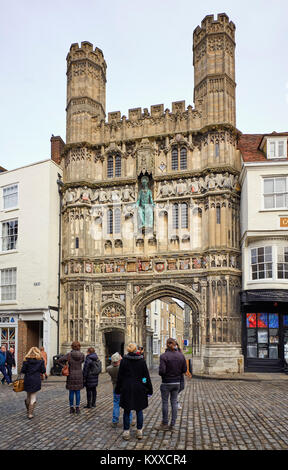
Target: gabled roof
249	146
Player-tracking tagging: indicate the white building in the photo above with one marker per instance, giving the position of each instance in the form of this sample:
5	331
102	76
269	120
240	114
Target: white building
29	258
264	243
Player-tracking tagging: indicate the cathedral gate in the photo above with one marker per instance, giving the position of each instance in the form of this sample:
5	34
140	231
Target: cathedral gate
150	206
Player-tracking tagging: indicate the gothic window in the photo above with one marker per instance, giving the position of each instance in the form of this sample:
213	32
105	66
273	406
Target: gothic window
179	158
114	166
175	216
180	212
113	221
117	223
77	242
184	215
218	215
110	221
216	149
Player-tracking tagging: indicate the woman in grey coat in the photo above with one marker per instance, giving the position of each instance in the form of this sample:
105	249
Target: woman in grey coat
74	382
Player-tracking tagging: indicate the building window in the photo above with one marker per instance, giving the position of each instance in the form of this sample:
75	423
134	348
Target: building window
277	148
114	166
217	152
113	221
218	215
8	284
175	216
10	196
282	263
275	193
180	210
77	242
261	263
262	335
184	215
179	158
9	235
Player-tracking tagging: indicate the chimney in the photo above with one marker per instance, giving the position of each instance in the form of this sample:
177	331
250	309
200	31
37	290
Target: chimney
57	145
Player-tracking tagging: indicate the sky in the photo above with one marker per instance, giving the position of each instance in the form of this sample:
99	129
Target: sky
147	46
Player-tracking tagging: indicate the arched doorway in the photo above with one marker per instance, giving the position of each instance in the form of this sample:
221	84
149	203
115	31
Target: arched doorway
113	340
167	293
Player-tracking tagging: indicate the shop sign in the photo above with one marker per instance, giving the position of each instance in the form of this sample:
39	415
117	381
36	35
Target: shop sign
284	222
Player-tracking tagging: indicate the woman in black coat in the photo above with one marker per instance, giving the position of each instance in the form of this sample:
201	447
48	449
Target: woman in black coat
133	385
91	370
32	367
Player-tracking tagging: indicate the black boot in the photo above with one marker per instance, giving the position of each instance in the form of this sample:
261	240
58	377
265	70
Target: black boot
88	405
77	410
72	410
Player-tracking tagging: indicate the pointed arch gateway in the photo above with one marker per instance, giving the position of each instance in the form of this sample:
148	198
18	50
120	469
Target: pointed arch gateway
158	291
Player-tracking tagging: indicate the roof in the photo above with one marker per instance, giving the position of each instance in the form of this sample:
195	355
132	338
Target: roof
2	169
249	146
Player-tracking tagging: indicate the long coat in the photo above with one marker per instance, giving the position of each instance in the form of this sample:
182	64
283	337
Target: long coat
90	380
32	368
133	392
75	378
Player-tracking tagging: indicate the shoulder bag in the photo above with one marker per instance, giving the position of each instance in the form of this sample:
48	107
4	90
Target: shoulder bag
18	384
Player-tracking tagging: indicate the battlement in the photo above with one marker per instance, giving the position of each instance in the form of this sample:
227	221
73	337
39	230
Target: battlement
156	111
85	51
211	26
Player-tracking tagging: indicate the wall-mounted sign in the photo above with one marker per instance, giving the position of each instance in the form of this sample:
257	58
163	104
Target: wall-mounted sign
284	222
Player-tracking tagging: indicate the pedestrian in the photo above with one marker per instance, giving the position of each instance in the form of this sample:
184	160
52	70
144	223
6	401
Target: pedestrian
140	351
172	367
133	385
32	368
3	359
113	372
91	370
44	357
74	382
182	381
10	362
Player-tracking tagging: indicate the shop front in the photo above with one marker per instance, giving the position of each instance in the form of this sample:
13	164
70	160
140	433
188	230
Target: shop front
9	333
265	330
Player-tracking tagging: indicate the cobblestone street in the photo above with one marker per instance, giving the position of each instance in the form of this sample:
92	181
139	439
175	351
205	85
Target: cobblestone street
250	414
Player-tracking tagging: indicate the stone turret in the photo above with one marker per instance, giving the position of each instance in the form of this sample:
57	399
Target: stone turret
86	90
214	70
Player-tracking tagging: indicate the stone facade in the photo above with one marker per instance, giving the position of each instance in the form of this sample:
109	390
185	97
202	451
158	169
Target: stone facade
110	269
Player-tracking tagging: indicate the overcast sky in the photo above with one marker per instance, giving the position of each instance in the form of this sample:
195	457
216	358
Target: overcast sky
147	46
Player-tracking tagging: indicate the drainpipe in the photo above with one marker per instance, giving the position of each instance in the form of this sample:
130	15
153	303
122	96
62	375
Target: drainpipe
60	185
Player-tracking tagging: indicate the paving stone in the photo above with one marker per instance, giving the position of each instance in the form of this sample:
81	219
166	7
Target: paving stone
215	415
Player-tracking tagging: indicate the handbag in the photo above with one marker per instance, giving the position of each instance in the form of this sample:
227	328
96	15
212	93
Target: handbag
65	369
18	384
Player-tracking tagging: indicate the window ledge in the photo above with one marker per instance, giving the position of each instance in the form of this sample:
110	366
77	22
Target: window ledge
8	302
8	252
274	210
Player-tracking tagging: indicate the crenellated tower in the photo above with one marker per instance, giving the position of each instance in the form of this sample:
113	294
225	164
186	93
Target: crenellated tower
86	90
214	70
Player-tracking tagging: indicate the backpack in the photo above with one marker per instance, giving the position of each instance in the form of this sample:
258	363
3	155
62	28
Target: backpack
95	367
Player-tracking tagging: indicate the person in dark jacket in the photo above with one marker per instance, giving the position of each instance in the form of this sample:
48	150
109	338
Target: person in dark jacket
171	369
74	382
3	358
91	370
10	362
32	367
133	385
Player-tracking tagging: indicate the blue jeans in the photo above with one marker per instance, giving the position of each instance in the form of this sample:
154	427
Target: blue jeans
75	393
116	409
127	419
5	376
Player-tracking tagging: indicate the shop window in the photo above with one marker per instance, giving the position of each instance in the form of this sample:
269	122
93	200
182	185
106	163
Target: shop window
262	335
282	263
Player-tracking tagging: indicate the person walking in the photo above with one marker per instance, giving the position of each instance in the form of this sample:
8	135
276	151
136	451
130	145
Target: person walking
3	362
10	362
32	368
171	369
74	382
133	385
113	372
44	357
91	370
